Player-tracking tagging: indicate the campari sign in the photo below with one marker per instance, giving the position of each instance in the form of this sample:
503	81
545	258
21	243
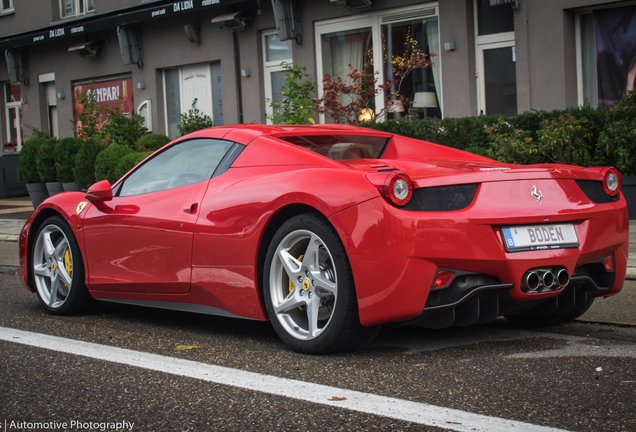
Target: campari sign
108	94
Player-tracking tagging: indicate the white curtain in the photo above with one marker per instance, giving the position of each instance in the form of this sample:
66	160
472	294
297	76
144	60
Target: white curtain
588	48
347	50
432	33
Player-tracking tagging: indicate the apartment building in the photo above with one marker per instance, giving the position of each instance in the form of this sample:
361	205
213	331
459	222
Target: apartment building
157	56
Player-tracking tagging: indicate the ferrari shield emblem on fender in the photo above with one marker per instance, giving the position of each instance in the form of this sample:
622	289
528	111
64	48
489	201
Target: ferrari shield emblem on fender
80	207
537	193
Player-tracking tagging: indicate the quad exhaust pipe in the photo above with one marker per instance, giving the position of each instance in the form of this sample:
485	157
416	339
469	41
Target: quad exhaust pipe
538	279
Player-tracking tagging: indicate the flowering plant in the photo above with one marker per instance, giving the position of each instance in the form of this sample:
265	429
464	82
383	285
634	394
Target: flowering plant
352	100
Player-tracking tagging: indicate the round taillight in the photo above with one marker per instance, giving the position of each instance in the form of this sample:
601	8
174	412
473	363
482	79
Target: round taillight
399	189
612	181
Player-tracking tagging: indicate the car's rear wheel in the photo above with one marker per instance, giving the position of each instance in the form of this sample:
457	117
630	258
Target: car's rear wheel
58	270
309	291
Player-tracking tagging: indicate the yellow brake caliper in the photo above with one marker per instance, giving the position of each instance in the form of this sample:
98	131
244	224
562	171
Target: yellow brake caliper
68	263
291	284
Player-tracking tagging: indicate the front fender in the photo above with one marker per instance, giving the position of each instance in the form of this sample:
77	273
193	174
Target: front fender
64	204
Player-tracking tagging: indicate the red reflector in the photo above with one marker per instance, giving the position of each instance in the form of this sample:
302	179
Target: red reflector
609	262
443	278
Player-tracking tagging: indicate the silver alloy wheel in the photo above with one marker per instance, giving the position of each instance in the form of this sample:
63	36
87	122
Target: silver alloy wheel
303	285
52	279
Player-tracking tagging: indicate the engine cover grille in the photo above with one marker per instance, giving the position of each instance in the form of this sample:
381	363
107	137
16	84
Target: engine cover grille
595	192
442	198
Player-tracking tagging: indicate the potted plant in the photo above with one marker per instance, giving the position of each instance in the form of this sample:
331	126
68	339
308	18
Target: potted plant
107	161
84	170
27	165
65	153
9	147
46	166
151	142
128	162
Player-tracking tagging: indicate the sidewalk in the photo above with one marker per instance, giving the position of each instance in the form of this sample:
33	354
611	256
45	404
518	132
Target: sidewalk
619	309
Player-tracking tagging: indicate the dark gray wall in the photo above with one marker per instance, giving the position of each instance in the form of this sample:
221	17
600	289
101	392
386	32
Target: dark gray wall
544	38
546	53
39	13
164	46
459	86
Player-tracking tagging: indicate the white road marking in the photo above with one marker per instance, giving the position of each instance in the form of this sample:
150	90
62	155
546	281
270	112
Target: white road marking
16	210
414	412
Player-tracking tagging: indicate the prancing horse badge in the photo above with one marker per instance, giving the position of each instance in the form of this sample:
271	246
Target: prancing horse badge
80	207
537	193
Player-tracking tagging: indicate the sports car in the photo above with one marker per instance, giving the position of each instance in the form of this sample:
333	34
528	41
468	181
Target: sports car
329	231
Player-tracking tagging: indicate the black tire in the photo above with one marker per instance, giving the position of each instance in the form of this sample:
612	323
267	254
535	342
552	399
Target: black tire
527	319
327	286
50	272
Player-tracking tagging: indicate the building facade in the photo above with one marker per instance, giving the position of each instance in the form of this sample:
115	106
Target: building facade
157	56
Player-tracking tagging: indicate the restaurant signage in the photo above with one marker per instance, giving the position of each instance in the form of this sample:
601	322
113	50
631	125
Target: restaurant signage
93	23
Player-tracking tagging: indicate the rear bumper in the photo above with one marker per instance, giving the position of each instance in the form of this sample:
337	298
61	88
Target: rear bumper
395	254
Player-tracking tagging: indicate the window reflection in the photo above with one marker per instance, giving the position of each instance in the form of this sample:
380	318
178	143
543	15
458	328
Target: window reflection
422	86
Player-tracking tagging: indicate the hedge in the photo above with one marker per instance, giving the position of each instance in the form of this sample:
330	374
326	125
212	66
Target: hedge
151	142
28	160
581	136
65	153
46	160
128	162
107	161
84	171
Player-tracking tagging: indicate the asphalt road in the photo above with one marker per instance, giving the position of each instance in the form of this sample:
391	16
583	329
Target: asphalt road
548	377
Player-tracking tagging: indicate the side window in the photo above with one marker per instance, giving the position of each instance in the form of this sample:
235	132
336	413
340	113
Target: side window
182	164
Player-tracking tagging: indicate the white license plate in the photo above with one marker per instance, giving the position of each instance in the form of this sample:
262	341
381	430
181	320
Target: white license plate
537	237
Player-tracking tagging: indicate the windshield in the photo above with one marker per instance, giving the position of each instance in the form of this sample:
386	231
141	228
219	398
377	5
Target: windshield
341	147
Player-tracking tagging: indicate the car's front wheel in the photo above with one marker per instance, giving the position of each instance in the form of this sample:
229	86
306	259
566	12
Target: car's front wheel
58	270
309	291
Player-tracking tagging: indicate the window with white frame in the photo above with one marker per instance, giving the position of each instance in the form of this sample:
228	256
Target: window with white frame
373	42
6	6
275	54
496	58
72	8
13	107
606	54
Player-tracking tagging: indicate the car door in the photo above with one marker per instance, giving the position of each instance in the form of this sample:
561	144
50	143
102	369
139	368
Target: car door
141	240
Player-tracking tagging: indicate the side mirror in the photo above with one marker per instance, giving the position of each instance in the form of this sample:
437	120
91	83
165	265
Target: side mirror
100	192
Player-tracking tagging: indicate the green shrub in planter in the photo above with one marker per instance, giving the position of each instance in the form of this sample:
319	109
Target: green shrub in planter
128	162
28	160
107	162
123	130
617	142
194	120
65	154
151	142
46	161
84	171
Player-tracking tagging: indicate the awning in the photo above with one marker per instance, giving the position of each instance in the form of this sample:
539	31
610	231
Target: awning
500	2
93	23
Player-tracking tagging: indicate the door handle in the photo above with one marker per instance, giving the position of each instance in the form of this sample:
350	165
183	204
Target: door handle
192	209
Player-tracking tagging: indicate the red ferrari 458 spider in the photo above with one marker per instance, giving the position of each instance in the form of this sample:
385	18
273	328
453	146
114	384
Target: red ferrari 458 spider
329	231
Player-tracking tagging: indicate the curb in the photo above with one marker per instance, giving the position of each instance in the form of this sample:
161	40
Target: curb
9	237
8	269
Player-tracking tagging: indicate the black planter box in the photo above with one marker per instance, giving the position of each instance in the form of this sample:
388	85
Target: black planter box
11	185
629	192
